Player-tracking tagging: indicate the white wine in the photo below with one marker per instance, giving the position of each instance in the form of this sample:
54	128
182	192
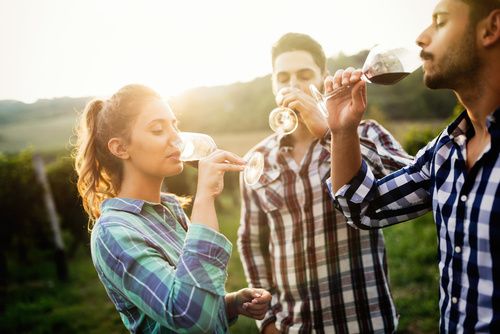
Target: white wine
283	120
195	146
254	168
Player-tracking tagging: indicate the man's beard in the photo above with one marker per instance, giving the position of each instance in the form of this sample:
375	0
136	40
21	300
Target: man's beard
458	68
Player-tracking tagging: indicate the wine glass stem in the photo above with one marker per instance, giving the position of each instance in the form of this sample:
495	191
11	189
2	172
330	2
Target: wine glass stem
342	89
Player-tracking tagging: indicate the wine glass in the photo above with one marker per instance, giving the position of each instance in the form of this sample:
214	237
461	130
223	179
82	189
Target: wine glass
384	66
283	120
195	146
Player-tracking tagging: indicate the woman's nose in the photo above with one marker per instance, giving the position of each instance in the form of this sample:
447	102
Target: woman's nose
176	141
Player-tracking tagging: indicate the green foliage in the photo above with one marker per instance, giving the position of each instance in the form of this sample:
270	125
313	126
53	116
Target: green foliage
62	178
417	138
21	206
413	270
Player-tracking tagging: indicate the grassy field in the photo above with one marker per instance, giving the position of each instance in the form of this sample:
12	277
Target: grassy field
37	303
43	305
53	134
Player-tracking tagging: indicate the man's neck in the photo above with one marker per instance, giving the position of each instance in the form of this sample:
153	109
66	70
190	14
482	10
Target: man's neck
481	98
301	140
302	135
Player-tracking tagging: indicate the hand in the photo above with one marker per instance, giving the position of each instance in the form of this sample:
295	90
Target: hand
346	109
211	172
249	302
270	329
306	107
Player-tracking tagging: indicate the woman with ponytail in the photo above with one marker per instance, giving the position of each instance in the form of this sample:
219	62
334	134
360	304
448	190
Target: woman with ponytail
164	272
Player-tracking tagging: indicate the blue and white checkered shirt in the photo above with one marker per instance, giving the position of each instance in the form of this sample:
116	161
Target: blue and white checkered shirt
466	205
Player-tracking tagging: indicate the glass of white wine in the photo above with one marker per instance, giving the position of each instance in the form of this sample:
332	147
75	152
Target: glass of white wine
195	146
283	120
384	65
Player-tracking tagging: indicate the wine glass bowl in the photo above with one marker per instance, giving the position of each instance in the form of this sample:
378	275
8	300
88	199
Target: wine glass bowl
254	169
386	66
283	120
383	65
195	146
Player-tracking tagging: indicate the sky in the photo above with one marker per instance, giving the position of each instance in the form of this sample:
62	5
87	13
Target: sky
55	48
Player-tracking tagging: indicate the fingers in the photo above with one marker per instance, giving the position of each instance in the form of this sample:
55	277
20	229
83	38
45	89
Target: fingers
255	302
221	156
255	310
288	96
346	77
328	84
261	296
359	96
356	76
228	167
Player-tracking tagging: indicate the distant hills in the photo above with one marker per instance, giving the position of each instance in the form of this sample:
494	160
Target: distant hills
234	108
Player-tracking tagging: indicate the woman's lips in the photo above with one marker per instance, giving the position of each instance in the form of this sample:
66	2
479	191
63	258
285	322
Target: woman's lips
175	155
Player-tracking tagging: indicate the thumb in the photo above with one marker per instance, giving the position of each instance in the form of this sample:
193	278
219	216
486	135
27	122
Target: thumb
246	294
359	96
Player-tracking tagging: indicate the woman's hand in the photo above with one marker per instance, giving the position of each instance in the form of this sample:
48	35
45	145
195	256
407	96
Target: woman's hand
346	109
249	302
210	184
211	172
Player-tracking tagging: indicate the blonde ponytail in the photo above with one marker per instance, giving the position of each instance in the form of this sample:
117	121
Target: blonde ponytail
94	185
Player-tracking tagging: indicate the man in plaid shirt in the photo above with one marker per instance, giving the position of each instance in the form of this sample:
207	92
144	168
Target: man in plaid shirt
325	277
457	175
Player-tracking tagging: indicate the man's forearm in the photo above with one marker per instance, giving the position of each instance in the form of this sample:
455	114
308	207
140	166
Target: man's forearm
346	158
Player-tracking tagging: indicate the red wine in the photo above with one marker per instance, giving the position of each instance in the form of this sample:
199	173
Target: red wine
388	78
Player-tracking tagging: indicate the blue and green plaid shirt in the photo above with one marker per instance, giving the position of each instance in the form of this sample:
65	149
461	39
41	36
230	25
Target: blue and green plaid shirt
163	274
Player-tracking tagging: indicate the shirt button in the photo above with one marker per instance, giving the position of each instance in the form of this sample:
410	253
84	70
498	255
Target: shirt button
458	249
454	300
463	198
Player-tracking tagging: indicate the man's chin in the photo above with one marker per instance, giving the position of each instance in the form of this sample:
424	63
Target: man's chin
433	82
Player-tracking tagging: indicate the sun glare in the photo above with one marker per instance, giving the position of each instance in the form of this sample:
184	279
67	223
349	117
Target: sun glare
77	48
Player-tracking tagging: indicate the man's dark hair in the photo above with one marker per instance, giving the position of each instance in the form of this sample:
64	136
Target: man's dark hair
300	42
479	9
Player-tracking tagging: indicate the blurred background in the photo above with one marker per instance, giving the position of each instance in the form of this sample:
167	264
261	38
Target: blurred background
211	61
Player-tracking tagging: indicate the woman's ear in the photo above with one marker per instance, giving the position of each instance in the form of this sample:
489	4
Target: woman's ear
118	148
490	29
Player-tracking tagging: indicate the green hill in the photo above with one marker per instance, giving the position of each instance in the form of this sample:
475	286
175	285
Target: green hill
235	108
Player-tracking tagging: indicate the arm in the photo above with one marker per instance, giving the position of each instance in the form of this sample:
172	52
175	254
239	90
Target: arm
381	151
365	201
253	246
345	112
210	184
186	298
370	203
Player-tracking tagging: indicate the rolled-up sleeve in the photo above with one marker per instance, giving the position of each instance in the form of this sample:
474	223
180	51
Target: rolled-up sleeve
368	202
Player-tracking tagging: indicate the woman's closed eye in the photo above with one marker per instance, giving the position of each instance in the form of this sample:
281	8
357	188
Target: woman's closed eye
157	131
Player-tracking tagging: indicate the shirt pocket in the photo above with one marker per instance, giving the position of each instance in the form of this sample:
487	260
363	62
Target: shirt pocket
271	193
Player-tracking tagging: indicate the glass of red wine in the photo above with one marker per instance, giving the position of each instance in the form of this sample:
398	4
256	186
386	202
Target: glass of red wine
383	66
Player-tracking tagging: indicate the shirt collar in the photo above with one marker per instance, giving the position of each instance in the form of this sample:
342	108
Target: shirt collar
129	204
462	125
285	142
494	126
